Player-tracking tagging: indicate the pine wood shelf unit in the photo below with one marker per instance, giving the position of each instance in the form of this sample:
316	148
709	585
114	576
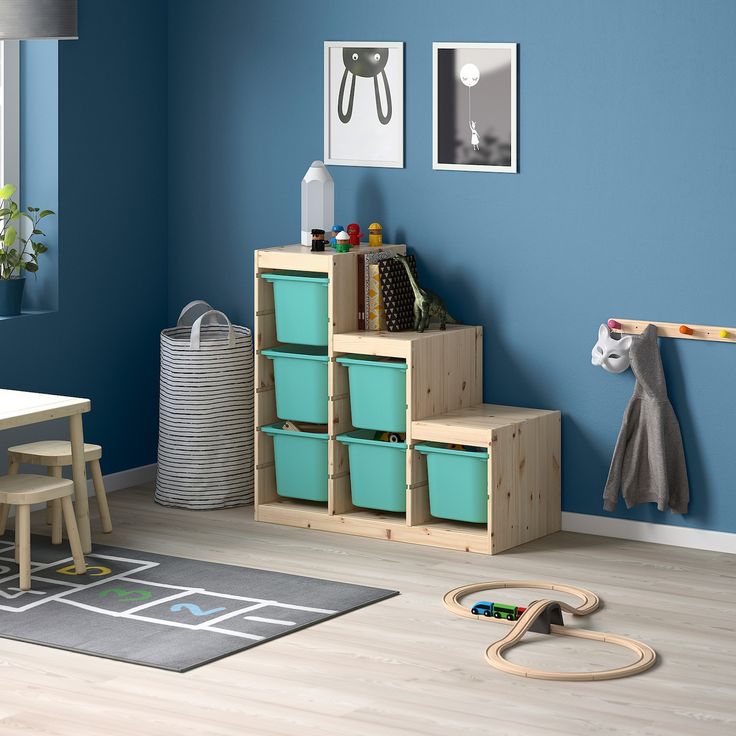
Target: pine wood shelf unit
523	469
444	383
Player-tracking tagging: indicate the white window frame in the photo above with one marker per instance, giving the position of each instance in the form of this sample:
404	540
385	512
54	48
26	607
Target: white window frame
10	113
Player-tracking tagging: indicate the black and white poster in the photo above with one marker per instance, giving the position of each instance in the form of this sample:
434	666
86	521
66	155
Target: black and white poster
475	107
364	103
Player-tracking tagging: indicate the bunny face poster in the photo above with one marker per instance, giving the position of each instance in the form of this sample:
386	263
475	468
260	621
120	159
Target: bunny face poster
474	121
364	103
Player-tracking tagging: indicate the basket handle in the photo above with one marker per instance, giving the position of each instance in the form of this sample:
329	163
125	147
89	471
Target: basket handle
216	316
192	310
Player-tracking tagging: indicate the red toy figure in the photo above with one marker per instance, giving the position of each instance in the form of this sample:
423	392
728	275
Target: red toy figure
354	233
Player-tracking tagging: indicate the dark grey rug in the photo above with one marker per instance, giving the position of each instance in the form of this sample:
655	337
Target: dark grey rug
166	612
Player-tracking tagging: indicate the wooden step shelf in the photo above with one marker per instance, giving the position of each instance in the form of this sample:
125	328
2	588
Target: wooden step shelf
444	392
523	469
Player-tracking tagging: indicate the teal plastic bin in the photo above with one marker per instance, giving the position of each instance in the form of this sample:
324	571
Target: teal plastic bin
300	299
458	483
300	375
377	471
377	392
301	463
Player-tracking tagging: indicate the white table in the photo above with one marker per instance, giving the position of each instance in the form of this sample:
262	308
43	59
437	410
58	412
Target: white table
18	408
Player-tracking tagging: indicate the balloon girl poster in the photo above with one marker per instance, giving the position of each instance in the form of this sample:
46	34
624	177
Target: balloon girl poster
474	99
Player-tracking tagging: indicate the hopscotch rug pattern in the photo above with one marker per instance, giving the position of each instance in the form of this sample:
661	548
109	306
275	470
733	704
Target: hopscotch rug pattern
167	612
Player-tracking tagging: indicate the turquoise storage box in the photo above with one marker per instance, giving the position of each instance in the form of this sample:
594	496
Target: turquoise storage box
300	375
377	471
301	463
458	483
377	392
300	300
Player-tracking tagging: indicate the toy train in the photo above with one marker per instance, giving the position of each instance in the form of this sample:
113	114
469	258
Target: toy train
497	610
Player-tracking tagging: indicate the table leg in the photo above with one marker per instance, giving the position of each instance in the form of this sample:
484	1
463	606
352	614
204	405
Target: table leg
80	482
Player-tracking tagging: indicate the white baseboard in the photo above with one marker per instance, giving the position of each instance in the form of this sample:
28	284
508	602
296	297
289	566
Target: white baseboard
113	481
642	531
127	478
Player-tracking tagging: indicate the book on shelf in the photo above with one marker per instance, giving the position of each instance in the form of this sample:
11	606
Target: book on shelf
370	302
396	294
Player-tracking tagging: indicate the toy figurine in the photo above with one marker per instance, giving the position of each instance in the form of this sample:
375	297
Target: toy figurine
354	232
336	229
392	437
318	241
342	242
426	304
375	234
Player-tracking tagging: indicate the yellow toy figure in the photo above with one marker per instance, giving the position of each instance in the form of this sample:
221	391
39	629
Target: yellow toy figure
375	234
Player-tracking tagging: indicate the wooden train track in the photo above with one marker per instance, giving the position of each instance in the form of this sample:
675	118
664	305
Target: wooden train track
546	616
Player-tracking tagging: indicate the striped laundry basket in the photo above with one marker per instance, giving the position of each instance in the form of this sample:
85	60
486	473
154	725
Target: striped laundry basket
205	445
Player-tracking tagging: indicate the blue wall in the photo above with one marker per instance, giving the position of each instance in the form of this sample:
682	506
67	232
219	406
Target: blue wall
624	203
102	342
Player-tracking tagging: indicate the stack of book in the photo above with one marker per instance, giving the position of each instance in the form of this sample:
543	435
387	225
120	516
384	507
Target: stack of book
385	296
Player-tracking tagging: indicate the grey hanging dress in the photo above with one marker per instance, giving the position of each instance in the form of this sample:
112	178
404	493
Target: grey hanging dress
648	463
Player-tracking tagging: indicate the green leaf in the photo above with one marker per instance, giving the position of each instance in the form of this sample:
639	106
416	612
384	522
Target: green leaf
7	191
33	209
30	266
40	248
39	232
46	213
10	236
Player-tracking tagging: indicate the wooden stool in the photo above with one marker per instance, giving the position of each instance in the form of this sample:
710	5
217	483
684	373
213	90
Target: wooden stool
55	455
22	491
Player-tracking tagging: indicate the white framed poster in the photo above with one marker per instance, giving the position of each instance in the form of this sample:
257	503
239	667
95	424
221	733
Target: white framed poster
474	117
364	103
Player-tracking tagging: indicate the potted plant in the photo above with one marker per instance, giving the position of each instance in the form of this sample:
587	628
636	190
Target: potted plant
20	248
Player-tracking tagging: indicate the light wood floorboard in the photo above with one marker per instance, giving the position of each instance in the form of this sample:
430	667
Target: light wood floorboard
404	666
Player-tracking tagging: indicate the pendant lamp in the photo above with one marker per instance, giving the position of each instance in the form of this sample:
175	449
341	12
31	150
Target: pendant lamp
22	20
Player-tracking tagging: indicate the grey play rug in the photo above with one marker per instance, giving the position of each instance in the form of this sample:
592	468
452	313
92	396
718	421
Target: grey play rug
161	611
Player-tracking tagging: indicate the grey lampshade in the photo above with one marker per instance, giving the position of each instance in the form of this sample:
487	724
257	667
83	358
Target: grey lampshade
27	19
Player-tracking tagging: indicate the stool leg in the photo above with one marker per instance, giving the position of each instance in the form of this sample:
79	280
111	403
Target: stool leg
54	473
72	532
100	495
23	544
55	507
4	509
13	468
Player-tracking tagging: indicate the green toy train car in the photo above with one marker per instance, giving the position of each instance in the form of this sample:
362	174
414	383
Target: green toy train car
497	610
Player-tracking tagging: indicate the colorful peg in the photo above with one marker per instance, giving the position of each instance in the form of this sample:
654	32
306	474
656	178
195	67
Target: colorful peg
725	333
685	330
614	325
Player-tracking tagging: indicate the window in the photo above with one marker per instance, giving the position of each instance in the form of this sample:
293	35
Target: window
10	113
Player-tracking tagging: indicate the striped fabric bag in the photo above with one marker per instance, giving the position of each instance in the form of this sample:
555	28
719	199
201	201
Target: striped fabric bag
205	445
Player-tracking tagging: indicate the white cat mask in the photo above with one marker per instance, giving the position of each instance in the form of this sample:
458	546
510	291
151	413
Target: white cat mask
610	354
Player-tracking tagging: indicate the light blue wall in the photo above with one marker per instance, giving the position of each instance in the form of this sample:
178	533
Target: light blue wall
624	205
102	342
39	161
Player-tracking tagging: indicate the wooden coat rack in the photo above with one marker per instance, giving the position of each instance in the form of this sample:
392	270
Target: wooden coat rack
672	329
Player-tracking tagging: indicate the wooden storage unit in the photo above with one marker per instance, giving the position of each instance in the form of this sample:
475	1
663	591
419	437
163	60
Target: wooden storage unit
523	467
444	384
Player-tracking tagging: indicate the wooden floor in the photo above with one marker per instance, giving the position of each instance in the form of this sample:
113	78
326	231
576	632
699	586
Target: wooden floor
404	666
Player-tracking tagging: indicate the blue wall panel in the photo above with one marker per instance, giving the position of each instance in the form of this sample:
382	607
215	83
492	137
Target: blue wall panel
102	342
623	204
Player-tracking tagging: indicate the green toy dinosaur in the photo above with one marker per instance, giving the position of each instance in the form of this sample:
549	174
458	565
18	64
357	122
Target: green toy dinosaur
426	304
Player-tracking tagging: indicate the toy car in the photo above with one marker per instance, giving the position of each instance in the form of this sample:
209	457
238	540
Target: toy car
497	610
